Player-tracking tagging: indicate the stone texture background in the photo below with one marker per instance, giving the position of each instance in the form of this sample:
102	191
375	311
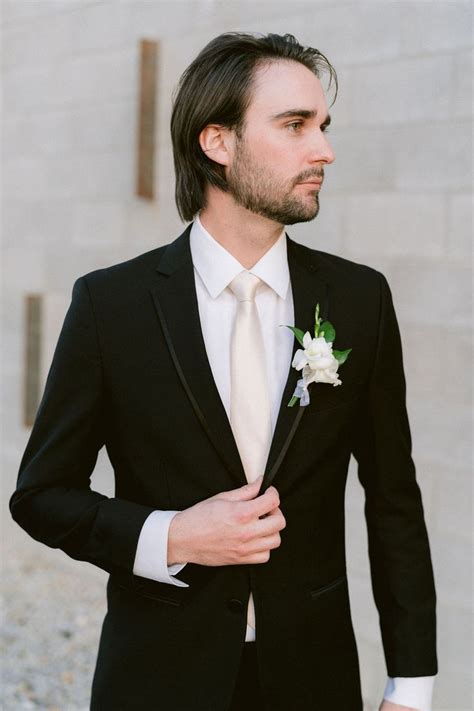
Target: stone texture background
397	198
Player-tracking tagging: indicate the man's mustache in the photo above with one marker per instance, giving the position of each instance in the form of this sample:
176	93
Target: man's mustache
302	178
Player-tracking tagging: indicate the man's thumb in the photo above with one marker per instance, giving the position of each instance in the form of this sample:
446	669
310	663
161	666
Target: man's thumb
245	492
249	491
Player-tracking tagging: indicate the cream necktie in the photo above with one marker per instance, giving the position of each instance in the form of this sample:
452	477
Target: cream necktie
250	403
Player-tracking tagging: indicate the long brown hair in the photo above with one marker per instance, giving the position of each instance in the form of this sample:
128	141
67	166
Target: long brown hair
216	88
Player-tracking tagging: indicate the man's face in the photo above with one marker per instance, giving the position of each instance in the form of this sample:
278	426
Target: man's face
282	146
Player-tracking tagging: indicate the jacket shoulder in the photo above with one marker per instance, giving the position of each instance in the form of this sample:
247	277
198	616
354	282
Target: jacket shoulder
337	266
128	273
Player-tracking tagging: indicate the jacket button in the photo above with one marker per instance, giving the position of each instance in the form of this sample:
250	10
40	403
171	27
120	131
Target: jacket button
235	605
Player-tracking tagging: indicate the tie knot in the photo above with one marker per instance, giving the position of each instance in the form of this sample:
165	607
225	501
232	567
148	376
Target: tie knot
244	286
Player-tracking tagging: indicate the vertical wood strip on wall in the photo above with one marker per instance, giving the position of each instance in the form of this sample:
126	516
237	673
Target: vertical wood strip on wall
146	119
32	372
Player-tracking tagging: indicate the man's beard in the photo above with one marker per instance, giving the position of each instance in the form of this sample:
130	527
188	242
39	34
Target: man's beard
255	188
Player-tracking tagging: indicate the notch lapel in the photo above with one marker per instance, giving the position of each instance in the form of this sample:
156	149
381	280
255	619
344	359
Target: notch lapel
309	288
176	304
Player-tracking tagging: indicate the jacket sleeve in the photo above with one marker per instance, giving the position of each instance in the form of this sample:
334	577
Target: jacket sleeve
399	552
53	501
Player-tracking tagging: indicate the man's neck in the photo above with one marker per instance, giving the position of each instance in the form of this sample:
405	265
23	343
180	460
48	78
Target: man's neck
245	235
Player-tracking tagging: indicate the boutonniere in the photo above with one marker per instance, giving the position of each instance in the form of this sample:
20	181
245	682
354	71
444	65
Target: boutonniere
318	360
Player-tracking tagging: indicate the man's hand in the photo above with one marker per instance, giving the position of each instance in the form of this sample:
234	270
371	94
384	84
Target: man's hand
230	528
388	706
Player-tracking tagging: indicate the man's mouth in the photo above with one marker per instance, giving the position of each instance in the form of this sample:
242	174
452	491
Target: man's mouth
313	183
313	180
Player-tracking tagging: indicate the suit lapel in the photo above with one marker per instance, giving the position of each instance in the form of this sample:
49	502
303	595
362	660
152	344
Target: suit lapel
309	288
176	305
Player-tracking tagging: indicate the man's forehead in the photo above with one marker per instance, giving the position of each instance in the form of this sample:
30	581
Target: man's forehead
279	86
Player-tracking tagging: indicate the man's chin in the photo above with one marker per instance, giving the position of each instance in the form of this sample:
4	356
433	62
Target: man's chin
302	216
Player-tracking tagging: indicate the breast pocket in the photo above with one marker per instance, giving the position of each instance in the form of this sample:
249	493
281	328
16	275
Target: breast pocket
325	398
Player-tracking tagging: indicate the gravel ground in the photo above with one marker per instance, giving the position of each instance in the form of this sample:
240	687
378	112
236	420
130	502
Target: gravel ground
52	612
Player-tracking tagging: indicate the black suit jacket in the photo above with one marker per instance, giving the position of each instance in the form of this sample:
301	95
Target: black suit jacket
130	372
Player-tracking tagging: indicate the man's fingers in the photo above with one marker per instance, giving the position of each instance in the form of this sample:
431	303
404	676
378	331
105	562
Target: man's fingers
265	503
270	522
243	493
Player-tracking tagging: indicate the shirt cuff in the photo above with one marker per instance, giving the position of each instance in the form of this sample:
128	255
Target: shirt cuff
414	691
151	556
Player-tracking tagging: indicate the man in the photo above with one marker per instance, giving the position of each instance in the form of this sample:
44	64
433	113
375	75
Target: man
228	590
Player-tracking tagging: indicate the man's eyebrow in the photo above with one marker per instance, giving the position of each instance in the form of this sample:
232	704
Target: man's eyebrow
303	113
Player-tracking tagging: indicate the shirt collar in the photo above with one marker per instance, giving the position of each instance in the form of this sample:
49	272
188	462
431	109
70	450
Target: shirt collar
217	267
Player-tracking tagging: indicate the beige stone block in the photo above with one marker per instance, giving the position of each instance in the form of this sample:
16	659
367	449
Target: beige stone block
416	154
355	32
107	175
365	160
106	26
36	223
453	503
373	673
453	691
395	224
454	647
462	84
435	362
14	12
28	88
72	82
90	78
99	223
23	272
402	91
364	609
441	433
435	26
25	178
432	292
99	127
452	564
459	232
41	39
142	221
103	126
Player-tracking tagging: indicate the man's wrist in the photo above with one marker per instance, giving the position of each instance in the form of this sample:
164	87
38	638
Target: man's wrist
178	551
151	552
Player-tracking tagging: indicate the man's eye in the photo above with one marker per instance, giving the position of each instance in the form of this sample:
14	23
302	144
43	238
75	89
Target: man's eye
325	129
298	124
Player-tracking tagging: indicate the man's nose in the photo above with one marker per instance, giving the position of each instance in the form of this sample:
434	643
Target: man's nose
322	150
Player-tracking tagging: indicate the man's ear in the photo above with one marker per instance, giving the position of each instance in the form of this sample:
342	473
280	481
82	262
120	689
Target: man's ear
216	142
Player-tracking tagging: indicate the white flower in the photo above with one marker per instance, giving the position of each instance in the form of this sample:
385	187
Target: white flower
317	362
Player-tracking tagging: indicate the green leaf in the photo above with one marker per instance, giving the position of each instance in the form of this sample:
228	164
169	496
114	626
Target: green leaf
329	332
317	321
298	334
341	356
293	400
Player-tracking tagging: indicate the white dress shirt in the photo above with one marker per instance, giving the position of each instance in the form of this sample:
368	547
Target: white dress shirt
214	269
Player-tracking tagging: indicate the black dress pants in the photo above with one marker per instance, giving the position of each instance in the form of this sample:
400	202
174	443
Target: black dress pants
247	692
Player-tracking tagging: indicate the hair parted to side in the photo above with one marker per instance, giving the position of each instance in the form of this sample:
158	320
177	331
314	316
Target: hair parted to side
216	88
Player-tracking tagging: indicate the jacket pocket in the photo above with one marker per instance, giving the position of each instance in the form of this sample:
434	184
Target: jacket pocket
329	586
159	595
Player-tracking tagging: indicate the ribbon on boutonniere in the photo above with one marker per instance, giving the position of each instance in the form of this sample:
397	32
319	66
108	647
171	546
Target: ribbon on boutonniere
318	360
